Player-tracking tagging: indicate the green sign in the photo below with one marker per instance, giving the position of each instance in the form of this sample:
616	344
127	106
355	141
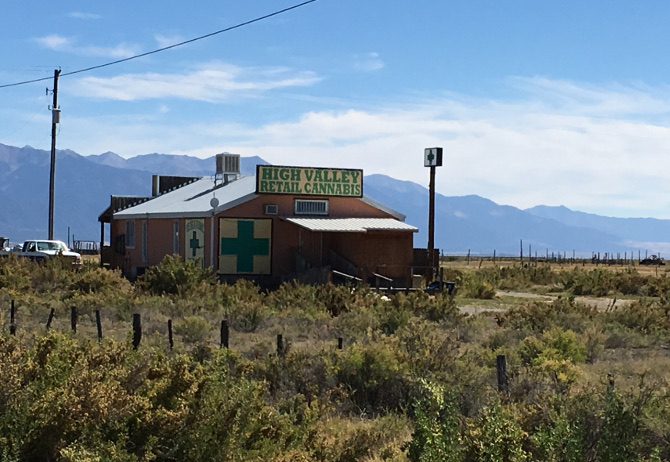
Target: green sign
194	240
245	246
274	179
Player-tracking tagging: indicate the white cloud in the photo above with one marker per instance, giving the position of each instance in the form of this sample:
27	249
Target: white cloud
211	82
82	15
54	42
66	44
590	148
164	41
368	62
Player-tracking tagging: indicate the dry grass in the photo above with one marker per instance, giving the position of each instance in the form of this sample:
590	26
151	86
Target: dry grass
462	264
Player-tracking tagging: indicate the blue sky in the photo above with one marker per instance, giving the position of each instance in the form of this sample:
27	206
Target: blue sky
535	102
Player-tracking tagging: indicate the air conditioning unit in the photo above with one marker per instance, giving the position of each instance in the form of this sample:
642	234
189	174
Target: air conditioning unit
271	209
227	164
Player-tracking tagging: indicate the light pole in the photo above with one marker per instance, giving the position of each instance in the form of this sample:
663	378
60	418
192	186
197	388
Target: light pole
214	203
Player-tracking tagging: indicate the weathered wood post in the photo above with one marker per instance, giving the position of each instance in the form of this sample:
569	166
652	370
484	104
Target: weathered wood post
50	319
12	320
280	345
225	334
340	343
503	379
170	338
73	319
137	330
98	324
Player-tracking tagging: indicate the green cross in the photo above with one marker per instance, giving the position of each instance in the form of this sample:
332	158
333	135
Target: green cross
430	157
194	243
245	246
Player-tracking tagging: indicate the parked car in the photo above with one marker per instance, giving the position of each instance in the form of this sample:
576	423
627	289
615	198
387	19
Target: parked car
41	249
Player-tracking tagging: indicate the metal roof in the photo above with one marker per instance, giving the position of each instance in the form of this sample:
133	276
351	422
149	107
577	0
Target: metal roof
192	200
352	225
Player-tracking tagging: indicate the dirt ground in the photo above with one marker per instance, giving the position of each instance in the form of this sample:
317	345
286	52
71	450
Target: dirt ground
506	299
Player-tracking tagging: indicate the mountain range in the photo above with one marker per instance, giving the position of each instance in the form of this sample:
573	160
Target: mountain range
84	184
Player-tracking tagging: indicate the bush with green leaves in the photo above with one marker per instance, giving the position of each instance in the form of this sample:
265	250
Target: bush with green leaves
437	433
175	277
539	316
414	372
375	372
495	436
481	285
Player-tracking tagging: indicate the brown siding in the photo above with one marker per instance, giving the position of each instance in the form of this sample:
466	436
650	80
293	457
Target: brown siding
388	253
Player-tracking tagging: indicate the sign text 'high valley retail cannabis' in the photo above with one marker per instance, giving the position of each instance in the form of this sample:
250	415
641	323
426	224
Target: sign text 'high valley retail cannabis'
274	179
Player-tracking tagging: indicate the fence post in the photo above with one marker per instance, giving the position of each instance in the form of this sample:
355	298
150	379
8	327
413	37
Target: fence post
12	320
137	330
340	343
170	339
280	345
50	318
503	379
73	319
98	324
225	334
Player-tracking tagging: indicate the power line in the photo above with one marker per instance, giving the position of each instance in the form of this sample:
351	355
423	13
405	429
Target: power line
237	26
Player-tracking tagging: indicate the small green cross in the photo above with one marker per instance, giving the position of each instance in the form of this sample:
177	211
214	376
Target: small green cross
245	246
430	157
194	243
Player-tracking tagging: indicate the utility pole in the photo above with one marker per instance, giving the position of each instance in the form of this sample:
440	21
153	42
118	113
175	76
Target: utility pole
55	119
432	158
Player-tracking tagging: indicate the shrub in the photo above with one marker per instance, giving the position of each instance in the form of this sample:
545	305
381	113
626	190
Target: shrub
495	437
93	279
561	438
538	316
375	372
301	300
643	315
16	274
175	277
193	329
555	344
436	436
247	315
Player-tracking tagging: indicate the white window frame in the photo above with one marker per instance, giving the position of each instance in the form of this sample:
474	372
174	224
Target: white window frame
310	207
130	234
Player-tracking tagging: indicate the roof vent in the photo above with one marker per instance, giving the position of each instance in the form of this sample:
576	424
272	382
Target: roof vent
227	167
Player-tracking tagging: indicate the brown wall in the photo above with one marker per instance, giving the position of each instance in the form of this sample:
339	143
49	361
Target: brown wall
387	253
369	250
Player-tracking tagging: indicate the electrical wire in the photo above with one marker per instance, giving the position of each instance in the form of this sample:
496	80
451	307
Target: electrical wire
111	63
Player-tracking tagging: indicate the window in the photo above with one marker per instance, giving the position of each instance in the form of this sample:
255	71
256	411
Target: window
175	237
130	234
311	207
145	250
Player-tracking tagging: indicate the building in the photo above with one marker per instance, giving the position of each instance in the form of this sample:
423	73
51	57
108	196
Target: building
310	224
